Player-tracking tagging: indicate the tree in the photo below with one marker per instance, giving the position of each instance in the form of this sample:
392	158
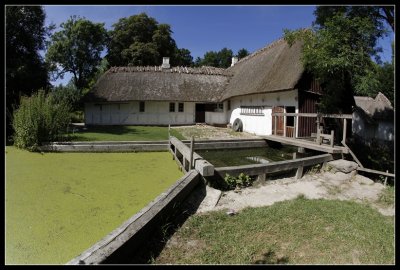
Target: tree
338	52
141	40
26	71
220	59
76	49
242	53
182	58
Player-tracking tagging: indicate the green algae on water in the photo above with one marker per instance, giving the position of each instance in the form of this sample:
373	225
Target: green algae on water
60	204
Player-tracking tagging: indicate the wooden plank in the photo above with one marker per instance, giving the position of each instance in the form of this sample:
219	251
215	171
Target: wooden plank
340	116
200	164
258	169
307	144
376	172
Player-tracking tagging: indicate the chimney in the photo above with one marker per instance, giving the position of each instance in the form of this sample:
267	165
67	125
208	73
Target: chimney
165	62
234	61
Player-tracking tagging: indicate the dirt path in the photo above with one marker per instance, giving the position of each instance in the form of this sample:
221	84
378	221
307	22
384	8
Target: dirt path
325	185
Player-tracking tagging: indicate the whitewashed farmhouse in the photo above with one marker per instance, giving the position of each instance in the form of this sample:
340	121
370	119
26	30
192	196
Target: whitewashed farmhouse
271	79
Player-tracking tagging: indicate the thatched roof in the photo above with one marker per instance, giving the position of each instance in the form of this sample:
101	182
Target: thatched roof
205	84
378	108
273	68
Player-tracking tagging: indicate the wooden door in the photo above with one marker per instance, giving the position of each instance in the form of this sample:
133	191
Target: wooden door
279	121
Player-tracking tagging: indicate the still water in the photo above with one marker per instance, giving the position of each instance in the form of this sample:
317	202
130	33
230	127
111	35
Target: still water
236	157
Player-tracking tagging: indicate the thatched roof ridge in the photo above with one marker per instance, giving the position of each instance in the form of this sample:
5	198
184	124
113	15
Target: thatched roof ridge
179	69
139	83
275	67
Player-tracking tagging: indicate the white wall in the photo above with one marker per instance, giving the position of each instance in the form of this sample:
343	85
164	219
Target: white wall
219	118
383	130
261	125
156	113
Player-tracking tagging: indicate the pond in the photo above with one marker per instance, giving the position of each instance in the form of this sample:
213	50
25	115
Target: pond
246	156
60	204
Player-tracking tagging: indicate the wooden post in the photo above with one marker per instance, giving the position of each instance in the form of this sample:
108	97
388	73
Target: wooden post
332	137
295	127
284	125
344	129
275	124
318	131
385	179
169	137
299	172
191	153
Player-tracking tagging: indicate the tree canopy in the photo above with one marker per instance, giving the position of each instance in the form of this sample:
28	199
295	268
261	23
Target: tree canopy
76	49
26	71
141	40
338	50
220	59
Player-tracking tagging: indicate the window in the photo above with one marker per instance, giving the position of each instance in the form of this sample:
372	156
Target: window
251	110
290	119
180	107
219	107
141	106
172	107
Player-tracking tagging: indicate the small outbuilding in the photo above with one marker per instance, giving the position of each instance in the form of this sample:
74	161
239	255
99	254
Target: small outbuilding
373	118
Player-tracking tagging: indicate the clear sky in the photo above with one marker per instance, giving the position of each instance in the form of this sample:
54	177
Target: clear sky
207	28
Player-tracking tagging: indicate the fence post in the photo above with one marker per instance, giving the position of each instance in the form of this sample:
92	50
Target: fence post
344	129
191	153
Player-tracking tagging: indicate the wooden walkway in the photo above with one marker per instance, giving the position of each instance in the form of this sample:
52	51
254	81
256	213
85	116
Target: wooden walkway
308	144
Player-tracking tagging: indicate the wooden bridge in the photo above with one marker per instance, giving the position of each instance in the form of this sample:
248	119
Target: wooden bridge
317	142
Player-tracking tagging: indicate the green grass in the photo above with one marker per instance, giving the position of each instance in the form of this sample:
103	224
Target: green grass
386	198
123	133
60	204
299	231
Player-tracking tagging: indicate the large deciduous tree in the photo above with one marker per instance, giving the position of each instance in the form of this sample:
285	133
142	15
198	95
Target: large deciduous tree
76	49
141	40
338	50
26	71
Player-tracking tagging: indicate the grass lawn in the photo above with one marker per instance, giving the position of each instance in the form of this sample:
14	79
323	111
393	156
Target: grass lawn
299	231
60	204
124	133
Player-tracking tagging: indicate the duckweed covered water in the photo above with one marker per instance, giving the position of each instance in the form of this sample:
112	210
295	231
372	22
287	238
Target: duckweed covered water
60	204
236	157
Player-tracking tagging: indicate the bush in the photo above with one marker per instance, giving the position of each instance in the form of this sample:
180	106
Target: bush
39	119
241	181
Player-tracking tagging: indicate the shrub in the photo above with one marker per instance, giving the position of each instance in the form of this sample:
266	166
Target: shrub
39	119
240	181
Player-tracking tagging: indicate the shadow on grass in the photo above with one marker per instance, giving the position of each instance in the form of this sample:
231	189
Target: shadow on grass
166	227
115	130
270	257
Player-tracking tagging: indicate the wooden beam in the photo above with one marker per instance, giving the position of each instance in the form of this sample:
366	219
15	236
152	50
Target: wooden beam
258	169
340	116
376	172
200	164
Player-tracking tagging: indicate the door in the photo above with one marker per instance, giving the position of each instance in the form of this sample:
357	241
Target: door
200	113
278	120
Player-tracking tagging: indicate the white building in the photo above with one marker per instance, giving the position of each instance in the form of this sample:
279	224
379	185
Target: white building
271	79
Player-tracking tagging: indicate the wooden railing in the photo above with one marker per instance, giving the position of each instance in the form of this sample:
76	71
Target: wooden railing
293	131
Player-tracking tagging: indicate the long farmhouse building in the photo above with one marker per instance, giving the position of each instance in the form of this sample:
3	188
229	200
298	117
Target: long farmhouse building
271	79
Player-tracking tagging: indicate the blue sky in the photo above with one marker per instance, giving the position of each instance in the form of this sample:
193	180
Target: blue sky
204	28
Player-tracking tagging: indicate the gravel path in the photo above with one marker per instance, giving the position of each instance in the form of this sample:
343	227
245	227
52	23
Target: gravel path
324	185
